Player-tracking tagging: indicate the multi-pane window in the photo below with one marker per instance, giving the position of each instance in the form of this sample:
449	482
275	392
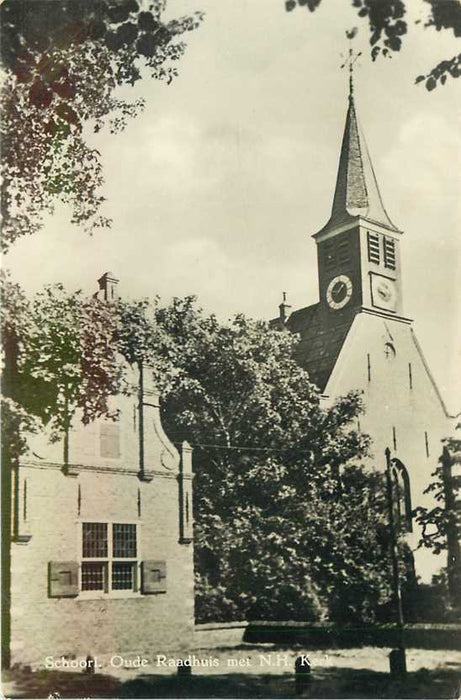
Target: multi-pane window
374	255
93	576
124	540
389	253
109	557
94	540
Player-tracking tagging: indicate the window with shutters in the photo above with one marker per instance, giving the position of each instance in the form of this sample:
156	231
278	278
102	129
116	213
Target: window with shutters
374	254
110	557
389	253
109	440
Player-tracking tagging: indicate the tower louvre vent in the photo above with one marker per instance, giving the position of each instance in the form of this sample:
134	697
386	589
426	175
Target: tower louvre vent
389	253
373	248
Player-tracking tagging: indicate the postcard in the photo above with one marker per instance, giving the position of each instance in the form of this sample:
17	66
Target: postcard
231	428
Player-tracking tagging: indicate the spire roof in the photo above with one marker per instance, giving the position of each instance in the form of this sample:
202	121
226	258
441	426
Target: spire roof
356	192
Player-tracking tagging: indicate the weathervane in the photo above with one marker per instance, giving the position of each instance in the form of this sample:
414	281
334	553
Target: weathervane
351	58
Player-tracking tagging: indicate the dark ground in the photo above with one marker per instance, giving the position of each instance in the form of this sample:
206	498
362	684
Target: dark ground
331	682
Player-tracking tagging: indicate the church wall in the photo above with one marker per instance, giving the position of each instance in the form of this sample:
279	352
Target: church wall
402	412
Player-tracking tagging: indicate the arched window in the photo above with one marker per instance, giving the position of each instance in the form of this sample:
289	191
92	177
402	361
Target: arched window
402	495
389	351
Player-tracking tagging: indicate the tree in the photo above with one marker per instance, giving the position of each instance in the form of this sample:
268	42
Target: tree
388	26
60	357
280	532
63	63
272	494
441	524
286	527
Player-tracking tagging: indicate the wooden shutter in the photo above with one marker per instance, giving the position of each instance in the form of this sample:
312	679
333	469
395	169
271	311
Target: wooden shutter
153	576
63	579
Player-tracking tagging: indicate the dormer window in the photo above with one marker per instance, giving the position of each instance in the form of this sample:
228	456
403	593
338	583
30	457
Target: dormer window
389	253
374	255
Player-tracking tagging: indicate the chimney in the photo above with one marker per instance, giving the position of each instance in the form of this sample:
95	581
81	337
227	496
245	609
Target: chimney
107	287
284	309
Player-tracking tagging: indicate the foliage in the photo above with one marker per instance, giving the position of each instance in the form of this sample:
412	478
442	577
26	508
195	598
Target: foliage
63	63
438	521
388	26
60	355
428	602
441	524
286	527
270	505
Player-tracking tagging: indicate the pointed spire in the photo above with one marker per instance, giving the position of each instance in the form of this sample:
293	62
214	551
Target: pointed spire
357	191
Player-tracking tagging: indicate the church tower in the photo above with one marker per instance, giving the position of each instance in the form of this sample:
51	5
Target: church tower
358	249
357	336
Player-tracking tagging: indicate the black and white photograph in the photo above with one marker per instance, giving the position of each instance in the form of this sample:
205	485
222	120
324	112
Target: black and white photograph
231	349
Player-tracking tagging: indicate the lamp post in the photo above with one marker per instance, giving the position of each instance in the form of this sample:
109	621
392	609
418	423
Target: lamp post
397	658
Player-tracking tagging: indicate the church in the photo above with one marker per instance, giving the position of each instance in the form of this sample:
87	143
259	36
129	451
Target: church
358	337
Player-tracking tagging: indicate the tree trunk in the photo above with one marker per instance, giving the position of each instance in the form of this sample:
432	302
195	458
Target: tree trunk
453	547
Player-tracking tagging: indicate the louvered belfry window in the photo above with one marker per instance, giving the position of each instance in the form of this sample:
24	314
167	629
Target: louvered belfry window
336	252
329	253
374	255
389	253
343	251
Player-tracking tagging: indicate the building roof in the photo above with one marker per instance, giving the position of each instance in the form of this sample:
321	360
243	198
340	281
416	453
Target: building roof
319	343
356	192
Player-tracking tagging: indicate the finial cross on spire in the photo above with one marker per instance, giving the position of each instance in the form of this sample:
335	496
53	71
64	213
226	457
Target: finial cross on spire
351	59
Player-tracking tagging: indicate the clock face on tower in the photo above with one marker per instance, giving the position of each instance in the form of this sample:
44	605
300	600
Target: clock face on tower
339	291
383	292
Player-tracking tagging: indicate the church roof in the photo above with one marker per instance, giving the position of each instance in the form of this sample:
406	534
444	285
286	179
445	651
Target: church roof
319	344
356	192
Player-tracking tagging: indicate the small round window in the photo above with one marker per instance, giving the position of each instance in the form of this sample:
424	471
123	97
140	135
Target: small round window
389	351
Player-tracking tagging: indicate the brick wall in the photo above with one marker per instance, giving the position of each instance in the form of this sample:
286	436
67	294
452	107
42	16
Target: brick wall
52	507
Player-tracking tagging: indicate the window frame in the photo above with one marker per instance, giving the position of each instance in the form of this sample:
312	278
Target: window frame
109	560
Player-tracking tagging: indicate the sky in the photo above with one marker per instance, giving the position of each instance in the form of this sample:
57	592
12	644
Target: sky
216	188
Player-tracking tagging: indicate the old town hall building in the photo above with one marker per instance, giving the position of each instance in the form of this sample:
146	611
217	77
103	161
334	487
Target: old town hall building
102	546
357	335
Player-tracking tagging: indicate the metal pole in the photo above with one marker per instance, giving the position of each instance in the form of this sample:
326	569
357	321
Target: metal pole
395	564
